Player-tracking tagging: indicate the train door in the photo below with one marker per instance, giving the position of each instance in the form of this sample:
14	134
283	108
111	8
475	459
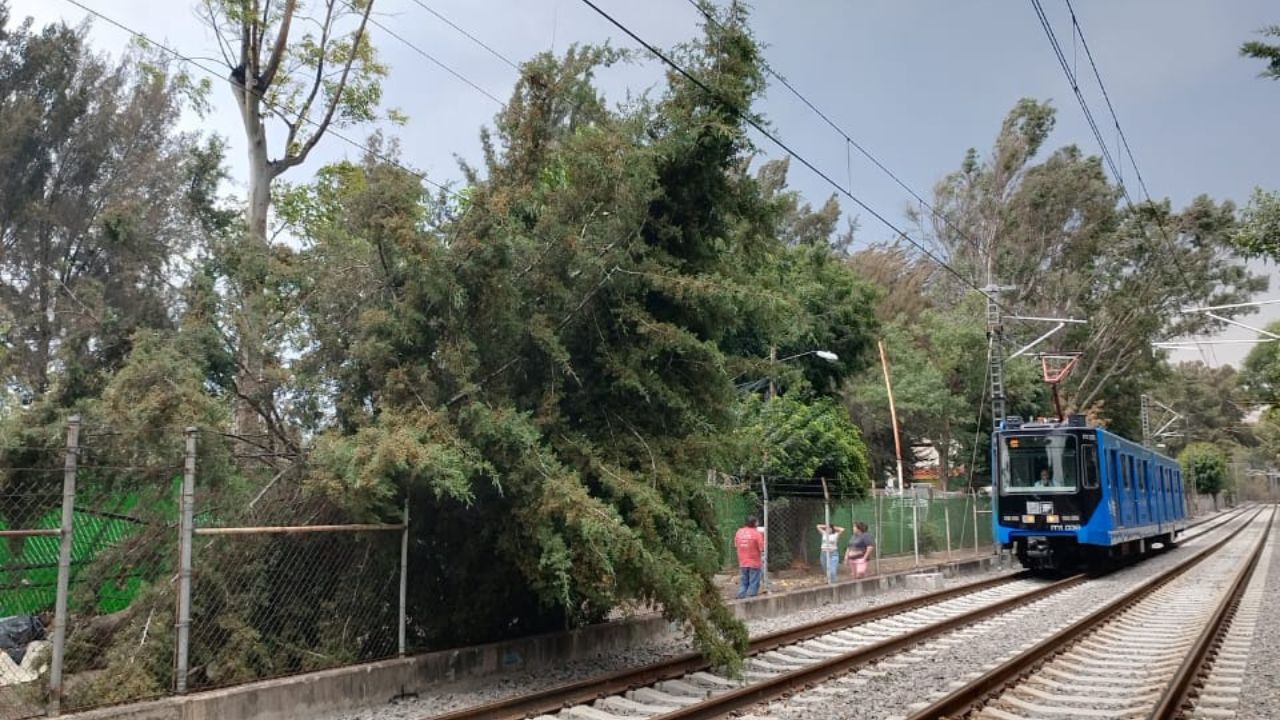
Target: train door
1126	486
1162	500
1135	494
1144	494
1112	474
1170	508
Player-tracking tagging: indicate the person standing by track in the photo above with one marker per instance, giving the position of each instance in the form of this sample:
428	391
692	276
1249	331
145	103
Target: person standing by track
860	549
830	549
749	542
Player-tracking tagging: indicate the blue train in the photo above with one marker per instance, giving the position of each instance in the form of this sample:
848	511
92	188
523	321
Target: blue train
1068	495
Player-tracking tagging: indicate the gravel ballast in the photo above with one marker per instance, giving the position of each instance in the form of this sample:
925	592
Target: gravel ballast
893	687
1261	689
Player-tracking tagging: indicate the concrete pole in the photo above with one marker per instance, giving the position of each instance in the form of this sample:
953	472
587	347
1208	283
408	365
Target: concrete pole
404	575
66	530
879	538
975	522
893	412
915	528
764	561
826	510
946	518
185	542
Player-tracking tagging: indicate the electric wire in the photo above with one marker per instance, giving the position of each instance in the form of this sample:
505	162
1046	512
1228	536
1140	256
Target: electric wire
772	137
849	141
1097	133
431	58
472	38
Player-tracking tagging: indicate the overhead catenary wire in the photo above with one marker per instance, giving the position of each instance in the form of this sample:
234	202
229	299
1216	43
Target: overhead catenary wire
850	142
431	58
472	38
1047	26
1123	141
772	137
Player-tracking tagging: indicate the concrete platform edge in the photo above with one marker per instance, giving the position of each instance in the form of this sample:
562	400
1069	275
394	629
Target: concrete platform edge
378	683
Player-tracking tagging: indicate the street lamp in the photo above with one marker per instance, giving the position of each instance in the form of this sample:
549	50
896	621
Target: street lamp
773	358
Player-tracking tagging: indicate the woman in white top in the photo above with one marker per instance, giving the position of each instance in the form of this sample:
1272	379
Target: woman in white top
830	549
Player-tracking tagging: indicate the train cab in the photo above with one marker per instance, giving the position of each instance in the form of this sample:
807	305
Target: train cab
1067	494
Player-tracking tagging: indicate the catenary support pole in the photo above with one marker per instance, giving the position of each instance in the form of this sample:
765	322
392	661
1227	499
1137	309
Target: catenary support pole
66	529
186	540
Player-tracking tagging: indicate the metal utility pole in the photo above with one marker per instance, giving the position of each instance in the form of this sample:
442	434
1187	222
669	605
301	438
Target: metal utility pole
1146	420
995	354
1150	437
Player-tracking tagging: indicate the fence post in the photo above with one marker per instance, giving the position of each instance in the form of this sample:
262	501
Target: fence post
404	574
764	561
915	528
879	528
946	518
185	541
64	563
826	511
975	522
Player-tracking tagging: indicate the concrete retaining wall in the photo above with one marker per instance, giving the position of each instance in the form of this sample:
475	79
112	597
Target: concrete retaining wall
371	684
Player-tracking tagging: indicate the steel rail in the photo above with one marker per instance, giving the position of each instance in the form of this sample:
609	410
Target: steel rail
719	706
963	700
554	699
1169	706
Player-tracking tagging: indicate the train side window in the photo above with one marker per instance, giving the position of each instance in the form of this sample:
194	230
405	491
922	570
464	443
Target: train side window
1142	477
1090	466
1124	470
1113	471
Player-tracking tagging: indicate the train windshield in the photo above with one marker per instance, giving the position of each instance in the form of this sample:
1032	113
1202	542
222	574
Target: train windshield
1039	464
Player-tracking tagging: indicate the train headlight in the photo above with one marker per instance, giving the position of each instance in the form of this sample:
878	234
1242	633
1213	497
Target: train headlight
1051	519
1028	519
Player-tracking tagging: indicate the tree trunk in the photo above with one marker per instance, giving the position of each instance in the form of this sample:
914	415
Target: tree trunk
252	352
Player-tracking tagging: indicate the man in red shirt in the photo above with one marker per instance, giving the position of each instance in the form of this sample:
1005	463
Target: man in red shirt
750	544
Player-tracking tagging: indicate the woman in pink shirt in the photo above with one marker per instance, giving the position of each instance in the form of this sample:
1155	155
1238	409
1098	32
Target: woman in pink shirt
750	545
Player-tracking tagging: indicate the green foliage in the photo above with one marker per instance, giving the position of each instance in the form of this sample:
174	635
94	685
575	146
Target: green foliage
549	373
1051	226
1260	375
94	176
1209	400
807	440
1206	465
1268	53
1259	231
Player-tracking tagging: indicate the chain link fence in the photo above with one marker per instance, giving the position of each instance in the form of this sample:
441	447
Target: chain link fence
126	577
918	527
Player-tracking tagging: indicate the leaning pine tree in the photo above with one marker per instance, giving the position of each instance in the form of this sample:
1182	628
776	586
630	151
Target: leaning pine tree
549	373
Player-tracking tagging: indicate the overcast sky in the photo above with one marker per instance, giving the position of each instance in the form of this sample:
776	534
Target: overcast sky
916	83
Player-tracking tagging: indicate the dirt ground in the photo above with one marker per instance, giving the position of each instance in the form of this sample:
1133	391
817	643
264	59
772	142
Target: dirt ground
800	575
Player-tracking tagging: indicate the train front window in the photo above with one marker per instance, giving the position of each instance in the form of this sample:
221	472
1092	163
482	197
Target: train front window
1039	464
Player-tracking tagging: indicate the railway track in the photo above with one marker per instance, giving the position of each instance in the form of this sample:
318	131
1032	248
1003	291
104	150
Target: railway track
689	678
1158	652
687	687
